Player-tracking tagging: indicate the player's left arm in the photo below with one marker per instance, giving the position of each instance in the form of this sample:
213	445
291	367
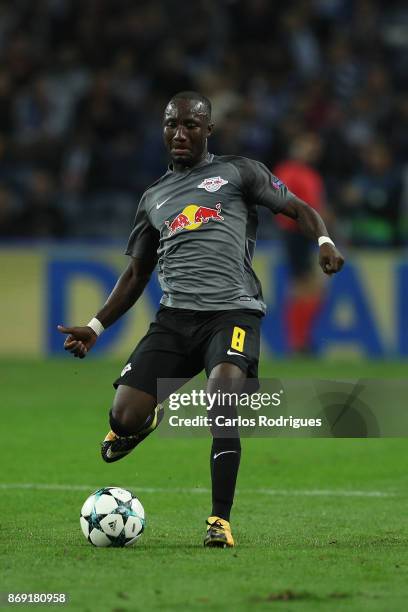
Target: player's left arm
259	185
313	226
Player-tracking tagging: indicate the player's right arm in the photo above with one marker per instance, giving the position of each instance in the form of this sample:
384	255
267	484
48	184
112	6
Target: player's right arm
142	248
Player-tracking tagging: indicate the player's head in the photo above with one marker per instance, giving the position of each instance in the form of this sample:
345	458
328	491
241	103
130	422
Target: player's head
186	127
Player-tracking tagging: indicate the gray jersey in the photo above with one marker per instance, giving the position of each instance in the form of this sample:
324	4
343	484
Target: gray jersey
202	222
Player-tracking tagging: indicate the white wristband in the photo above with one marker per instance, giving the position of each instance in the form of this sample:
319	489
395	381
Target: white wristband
324	239
96	326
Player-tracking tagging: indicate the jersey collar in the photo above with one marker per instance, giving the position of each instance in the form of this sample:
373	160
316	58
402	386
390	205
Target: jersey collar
208	159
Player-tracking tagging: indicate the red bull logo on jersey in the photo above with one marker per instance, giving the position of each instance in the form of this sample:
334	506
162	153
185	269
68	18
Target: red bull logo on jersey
193	216
212	184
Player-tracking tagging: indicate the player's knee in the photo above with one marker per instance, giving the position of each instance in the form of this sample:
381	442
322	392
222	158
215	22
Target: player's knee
226	378
228	371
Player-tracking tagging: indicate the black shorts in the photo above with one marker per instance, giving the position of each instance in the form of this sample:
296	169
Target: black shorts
181	343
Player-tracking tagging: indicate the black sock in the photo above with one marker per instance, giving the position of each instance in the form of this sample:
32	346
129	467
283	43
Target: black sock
224	465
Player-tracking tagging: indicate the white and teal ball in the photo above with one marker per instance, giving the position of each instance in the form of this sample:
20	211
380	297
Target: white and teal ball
112	517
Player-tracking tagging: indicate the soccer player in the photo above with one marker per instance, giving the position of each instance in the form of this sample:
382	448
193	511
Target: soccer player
198	223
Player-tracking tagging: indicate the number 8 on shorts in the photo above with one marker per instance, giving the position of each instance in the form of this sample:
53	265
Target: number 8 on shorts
238	338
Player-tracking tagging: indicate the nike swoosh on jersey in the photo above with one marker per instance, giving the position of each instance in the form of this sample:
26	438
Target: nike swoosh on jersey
229	352
161	203
223	453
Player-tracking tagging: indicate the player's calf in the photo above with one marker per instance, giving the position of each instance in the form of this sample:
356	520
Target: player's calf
118	443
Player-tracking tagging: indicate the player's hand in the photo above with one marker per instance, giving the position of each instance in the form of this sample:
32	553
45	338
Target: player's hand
330	259
79	341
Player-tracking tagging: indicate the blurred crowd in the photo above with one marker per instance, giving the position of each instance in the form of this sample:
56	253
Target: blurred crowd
83	84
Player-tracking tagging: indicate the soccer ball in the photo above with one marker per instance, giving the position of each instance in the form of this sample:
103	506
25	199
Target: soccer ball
112	517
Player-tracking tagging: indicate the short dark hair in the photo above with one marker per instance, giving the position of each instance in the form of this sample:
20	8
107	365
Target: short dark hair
194	95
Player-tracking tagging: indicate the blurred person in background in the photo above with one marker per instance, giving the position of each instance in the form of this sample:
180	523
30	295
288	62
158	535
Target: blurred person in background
9	220
300	175
372	199
72	68
6	103
41	216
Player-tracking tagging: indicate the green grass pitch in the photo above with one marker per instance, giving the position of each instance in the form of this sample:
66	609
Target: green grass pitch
320	524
